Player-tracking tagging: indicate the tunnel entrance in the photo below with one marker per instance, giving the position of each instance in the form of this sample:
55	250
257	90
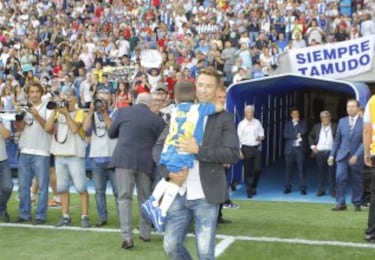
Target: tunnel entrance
273	97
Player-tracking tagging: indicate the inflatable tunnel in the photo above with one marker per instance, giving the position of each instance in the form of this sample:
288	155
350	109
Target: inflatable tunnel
273	97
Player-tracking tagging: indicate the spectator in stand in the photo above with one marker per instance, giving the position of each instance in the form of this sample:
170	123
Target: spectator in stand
228	55
241	75
367	25
123	96
298	42
244	54
314	32
341	34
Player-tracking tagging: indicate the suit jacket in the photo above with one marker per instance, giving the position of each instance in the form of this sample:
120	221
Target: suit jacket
220	146
137	129
348	142
290	135
315	132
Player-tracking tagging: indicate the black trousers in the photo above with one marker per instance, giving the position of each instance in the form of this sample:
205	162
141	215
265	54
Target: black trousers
252	166
295	157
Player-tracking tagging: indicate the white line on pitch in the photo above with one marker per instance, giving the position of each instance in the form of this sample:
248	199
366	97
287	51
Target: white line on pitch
223	245
305	241
223	237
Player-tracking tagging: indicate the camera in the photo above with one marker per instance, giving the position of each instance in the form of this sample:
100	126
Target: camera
99	104
24	107
20	116
57	104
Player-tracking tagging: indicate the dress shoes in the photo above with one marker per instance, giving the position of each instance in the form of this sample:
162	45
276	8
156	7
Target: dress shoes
303	192
357	208
144	239
320	193
339	208
127	244
287	190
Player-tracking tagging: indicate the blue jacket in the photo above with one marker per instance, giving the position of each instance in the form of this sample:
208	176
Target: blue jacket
290	135
348	142
137	129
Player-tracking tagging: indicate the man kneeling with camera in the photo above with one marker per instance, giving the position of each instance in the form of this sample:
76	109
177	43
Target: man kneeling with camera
69	147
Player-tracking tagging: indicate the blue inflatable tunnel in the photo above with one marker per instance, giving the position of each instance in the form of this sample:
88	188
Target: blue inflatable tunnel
273	97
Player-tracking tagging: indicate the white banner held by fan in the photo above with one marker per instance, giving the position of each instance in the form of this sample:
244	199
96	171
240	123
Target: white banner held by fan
334	60
151	58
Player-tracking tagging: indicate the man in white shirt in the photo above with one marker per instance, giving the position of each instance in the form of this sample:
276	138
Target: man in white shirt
251	134
320	140
34	156
367	26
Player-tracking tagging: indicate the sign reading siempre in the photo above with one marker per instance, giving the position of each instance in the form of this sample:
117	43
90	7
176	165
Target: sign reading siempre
334	60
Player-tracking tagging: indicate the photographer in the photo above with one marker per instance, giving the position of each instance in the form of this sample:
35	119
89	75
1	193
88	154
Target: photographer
98	121
34	145
69	149
6	184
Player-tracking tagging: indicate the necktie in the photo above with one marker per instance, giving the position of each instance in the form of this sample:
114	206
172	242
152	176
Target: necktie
351	123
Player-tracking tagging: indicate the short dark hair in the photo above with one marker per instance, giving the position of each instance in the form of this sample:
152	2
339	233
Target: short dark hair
184	91
292	109
353	100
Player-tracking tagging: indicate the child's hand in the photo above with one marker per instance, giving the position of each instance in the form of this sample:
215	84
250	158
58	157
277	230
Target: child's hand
179	178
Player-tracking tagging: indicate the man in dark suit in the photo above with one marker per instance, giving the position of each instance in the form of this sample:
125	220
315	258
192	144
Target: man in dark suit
294	150
321	140
347	151
137	129
205	185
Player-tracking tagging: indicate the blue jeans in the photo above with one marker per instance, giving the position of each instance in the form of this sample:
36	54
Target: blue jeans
100	174
29	166
6	185
179	218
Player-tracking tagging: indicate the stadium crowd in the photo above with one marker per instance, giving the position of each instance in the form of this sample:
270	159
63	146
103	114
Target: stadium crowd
64	42
90	53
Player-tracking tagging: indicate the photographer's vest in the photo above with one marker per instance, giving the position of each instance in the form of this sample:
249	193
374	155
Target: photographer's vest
372	114
34	139
101	145
66	143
